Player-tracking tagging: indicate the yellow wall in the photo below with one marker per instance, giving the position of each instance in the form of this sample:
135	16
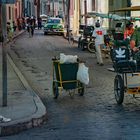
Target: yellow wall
76	18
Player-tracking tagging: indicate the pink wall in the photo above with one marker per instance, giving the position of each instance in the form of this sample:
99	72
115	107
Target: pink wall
71	7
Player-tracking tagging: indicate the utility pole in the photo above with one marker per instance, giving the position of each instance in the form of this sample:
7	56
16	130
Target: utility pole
38	9
68	19
53	8
4	52
79	12
129	5
85	9
63	1
23	8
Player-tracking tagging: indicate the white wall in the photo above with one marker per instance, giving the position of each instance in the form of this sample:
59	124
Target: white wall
136	13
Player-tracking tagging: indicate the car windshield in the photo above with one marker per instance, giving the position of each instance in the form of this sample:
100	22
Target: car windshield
53	20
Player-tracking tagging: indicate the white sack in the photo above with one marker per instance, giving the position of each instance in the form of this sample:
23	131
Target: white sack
82	74
68	58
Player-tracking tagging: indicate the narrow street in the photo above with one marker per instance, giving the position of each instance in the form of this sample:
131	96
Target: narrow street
94	116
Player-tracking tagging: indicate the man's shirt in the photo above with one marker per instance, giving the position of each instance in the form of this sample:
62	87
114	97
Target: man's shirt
99	33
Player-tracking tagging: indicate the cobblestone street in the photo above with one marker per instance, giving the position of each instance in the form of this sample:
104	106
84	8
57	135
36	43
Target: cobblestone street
94	116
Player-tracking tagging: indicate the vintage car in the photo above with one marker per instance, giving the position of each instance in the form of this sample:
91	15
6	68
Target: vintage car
54	26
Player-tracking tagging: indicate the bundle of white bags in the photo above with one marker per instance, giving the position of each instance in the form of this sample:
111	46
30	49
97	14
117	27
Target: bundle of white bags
82	73
68	58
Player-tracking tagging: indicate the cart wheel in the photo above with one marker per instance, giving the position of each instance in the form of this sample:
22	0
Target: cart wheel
119	89
81	89
91	47
55	90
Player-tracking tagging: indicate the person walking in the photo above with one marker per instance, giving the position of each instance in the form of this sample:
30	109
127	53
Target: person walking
98	34
9	32
30	26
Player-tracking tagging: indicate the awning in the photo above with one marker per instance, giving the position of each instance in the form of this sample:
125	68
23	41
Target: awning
133	8
106	15
7	1
43	16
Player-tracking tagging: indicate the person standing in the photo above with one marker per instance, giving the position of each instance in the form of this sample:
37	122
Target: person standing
30	26
135	39
39	23
14	27
129	30
98	34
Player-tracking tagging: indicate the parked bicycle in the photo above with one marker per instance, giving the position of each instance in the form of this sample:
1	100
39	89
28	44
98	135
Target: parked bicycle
86	41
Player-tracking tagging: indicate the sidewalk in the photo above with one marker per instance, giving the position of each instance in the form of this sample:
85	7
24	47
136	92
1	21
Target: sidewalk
25	109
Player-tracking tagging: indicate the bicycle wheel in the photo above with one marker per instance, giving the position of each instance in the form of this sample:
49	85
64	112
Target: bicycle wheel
91	47
81	89
119	89
55	90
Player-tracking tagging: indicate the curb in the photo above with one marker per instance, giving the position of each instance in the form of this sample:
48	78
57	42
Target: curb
37	119
23	124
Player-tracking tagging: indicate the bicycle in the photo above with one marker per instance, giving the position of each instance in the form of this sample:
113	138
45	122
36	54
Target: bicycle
87	43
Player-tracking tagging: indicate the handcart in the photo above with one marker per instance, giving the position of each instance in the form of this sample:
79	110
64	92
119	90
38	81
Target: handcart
123	65
65	77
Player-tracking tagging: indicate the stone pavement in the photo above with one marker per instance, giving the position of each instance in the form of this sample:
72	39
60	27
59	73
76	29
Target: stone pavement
24	108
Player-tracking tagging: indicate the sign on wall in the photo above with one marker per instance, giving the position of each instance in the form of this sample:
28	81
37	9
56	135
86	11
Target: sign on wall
7	1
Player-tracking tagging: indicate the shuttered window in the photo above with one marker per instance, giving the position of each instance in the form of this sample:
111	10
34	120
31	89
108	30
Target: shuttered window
93	5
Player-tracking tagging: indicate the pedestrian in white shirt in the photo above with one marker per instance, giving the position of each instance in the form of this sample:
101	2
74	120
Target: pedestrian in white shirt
99	33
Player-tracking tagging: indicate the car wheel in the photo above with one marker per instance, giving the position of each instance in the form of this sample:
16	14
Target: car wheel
45	33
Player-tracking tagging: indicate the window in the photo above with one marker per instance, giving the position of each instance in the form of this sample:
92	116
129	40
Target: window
111	2
9	13
93	5
53	21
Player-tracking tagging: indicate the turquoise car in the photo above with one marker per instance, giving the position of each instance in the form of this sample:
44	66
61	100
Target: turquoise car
54	26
